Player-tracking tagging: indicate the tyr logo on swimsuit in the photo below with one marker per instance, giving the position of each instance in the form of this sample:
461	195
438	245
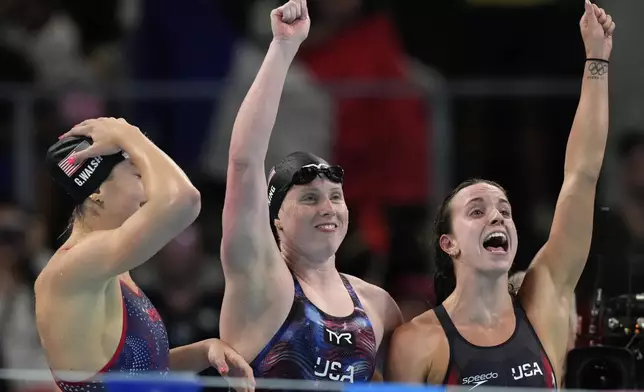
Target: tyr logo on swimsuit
342	339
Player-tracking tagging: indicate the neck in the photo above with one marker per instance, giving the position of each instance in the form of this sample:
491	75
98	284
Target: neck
316	273
480	299
84	226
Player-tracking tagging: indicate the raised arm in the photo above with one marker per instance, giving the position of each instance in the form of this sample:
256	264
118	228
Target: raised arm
247	245
172	204
561	261
257	279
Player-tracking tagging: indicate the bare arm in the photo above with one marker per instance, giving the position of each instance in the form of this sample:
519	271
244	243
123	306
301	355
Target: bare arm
247	238
258	284
564	255
190	358
407	358
391	319
173	204
199	356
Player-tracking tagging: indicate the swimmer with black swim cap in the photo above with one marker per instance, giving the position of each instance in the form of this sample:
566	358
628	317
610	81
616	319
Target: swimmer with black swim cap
287	310
480	334
131	199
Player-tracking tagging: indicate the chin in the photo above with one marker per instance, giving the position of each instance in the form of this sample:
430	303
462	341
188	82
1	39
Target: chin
499	262
324	252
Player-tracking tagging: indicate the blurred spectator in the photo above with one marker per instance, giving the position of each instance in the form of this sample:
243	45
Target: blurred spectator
15	67
190	43
20	246
50	40
186	287
354	44
100	34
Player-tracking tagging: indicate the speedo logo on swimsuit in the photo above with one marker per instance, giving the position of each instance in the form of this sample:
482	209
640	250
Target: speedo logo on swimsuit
479	379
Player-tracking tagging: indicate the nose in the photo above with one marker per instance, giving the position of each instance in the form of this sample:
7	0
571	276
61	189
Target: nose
497	218
326	208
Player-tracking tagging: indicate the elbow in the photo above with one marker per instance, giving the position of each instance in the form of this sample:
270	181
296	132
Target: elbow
240	160
185	202
586	168
241	164
583	175
190	199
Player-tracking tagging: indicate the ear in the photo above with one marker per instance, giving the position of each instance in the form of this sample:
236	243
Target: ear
448	245
278	224
95	198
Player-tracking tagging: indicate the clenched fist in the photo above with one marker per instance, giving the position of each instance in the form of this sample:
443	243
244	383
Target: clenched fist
597	32
291	22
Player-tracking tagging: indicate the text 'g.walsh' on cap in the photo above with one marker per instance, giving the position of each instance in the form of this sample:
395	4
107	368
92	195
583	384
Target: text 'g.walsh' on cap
79	179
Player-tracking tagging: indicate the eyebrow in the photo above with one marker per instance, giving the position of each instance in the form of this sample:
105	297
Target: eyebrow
480	199
309	187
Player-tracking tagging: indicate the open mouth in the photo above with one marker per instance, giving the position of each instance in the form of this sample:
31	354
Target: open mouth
326	227
496	242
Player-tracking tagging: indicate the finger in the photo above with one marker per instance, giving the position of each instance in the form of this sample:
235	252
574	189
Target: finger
219	362
287	13
293	7
305	9
277	14
238	362
611	29
607	23
79	156
79	130
590	12
601	18
86	122
297	9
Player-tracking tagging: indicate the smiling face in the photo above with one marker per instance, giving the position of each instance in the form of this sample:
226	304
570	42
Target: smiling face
313	219
483	235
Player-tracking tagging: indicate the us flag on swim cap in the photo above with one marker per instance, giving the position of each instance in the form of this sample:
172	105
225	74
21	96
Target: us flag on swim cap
70	168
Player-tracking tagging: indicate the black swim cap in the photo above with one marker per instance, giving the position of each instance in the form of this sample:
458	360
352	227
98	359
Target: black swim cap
83	178
282	177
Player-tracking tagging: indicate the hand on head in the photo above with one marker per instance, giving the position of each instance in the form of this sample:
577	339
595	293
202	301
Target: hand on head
105	134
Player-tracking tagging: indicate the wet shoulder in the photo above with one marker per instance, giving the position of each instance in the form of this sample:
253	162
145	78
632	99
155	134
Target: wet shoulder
423	344
423	331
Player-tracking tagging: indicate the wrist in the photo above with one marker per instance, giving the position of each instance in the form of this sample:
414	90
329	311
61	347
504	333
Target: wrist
597	56
127	137
204	347
285	46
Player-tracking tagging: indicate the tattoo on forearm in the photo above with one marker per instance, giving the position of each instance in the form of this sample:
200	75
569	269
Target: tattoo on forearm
597	70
